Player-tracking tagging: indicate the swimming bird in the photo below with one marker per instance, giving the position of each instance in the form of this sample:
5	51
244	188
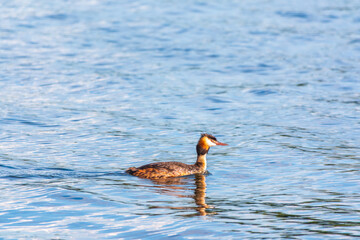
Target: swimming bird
176	169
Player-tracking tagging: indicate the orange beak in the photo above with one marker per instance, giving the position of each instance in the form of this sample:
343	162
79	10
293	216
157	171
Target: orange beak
220	143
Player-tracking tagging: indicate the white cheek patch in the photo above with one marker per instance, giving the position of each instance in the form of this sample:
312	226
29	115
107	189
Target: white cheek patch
210	143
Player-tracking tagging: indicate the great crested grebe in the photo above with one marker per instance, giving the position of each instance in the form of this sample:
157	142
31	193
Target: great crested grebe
176	169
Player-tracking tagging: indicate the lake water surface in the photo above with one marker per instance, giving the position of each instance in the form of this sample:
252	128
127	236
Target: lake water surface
90	88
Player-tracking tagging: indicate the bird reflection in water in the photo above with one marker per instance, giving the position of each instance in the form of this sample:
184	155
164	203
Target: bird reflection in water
176	187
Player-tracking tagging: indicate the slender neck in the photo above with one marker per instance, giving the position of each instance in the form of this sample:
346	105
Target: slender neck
201	162
201	157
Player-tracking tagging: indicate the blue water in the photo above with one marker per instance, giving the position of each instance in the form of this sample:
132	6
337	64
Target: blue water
90	88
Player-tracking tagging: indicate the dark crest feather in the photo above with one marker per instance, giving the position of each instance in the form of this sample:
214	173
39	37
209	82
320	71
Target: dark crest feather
208	135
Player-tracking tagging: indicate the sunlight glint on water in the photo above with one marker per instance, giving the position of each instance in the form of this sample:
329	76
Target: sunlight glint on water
91	88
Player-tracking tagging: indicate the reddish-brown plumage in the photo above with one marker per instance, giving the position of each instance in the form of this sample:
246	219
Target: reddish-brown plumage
177	169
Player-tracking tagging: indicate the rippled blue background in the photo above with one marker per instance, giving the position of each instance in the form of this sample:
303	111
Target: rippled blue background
90	88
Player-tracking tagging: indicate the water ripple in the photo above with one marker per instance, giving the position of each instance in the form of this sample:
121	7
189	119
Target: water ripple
91	88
